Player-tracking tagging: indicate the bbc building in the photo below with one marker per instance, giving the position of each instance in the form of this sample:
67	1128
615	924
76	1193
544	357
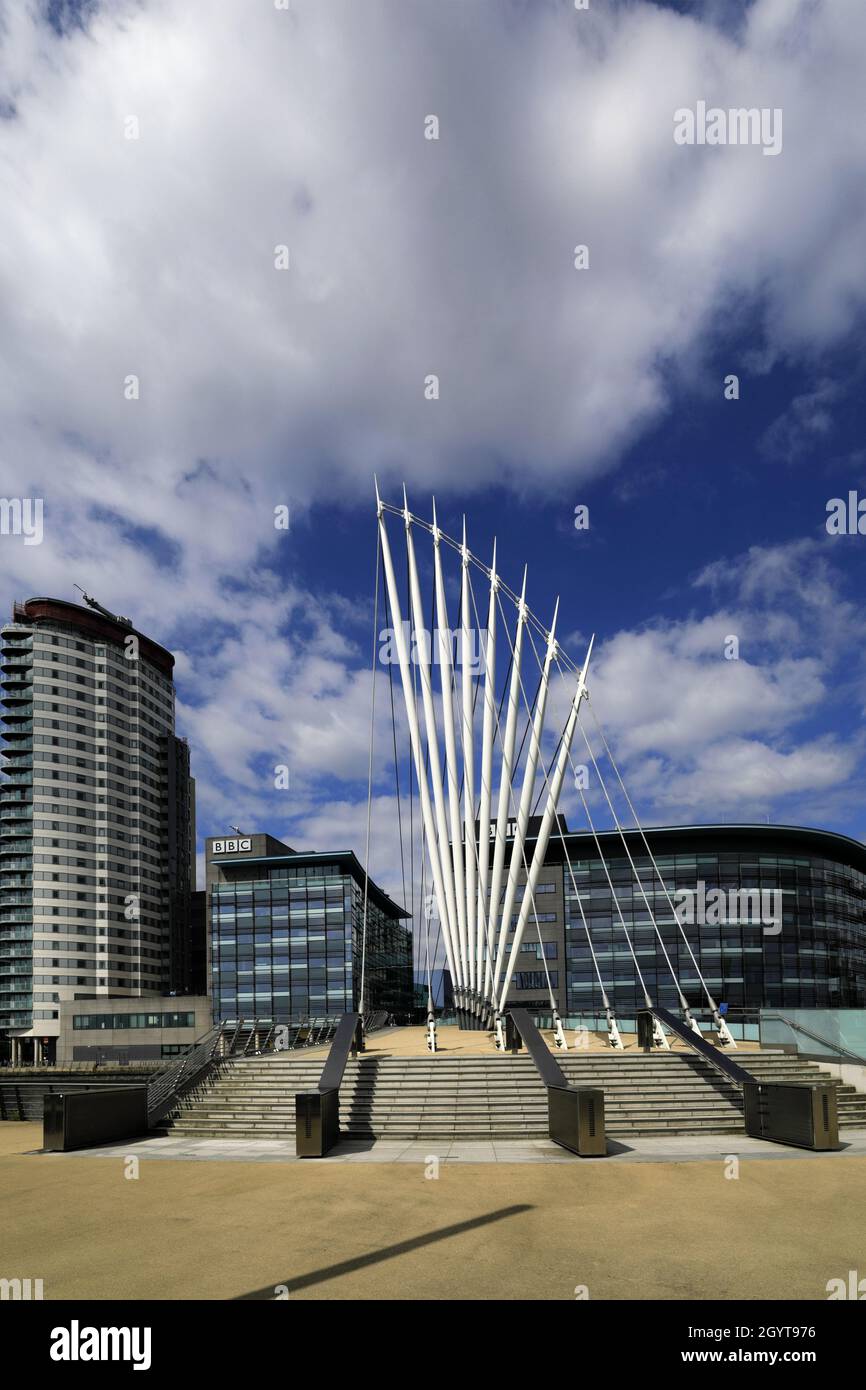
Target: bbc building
285	934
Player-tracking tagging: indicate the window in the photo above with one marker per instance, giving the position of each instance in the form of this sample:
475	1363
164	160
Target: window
535	979
101	1022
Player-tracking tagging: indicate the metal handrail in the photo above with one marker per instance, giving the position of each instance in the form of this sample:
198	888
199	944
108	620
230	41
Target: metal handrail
575	1114
732	1070
376	1020
164	1089
816	1037
346	1040
545	1063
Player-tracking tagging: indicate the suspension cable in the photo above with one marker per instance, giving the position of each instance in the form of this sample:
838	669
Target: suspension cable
658	872
361	1000
655	924
566	857
396	766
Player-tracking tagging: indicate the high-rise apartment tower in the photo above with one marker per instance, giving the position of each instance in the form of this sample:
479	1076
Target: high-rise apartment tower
97	819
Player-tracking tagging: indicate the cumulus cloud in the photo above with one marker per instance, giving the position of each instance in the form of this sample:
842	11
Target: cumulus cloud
153	158
257	128
700	735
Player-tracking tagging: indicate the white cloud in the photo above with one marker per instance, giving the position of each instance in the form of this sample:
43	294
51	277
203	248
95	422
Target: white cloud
154	256
258	127
699	736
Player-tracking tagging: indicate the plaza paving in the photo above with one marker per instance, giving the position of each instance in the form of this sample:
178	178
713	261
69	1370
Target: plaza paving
454	1042
679	1148
663	1222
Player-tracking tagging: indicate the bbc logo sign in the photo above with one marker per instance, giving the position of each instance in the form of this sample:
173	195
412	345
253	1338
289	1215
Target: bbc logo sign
231	846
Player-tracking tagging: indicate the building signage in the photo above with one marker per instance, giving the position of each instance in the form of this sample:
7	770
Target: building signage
231	846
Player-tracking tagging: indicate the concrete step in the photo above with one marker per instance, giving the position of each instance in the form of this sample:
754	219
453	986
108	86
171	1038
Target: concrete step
491	1095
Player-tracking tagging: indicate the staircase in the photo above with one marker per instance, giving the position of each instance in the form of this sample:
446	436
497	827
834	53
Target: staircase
488	1097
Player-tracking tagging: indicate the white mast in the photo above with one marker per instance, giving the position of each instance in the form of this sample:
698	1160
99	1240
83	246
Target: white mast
554	789
451	766
424	655
505	776
415	738
487	733
526	794
466	685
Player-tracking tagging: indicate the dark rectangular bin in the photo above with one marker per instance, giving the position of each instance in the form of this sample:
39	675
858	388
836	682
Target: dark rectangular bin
78	1119
317	1122
576	1116
803	1114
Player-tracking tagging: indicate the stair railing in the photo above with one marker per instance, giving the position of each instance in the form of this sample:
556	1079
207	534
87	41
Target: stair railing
374	1021
720	1060
799	1113
317	1113
575	1113
165	1089
230	1038
840	1051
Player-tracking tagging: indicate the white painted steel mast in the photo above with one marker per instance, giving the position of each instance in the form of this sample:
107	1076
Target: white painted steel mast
443	630
468	736
439	879
484	917
474	860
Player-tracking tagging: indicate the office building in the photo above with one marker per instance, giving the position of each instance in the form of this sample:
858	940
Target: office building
814	956
286	934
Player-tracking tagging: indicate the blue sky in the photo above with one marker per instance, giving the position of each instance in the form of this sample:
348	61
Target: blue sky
153	166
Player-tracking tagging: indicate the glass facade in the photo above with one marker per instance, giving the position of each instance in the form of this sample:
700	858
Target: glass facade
817	959
286	944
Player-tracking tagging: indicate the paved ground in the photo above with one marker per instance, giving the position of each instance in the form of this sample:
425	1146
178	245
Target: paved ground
452	1042
128	1227
652	1149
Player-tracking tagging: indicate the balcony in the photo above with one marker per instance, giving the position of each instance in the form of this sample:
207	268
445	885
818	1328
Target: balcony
17	837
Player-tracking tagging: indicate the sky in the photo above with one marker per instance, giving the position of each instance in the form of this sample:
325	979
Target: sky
231	261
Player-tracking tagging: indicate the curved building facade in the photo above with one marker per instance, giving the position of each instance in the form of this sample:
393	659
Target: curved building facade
774	915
